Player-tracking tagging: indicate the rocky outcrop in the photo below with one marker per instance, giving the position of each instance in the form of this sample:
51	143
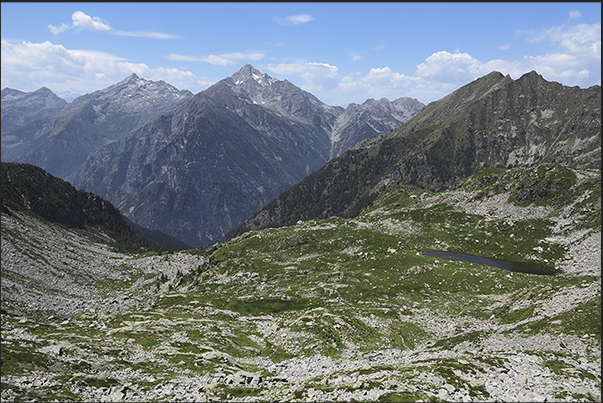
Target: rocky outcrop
369	119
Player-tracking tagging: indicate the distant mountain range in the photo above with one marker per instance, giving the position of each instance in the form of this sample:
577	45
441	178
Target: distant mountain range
22	108
196	166
252	151
403	299
493	122
60	142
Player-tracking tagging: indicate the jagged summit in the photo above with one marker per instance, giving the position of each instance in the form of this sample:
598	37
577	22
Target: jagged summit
44	90
250	75
532	74
248	69
132	78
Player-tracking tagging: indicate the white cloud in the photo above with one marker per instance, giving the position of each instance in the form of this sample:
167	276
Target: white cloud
355	57
297	19
219	60
146	34
244	56
306	70
578	38
81	20
581	38
314	77
445	67
28	66
58	30
575	61
377	83
575	15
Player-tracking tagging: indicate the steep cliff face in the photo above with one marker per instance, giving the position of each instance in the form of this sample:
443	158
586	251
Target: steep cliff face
493	122
60	143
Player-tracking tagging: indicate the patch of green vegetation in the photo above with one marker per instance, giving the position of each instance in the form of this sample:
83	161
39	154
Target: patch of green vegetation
56	393
263	306
21	359
584	319
239	392
517	315
95	382
146	339
408	334
407	396
275	353
17	390
450	368
471	337
544	184
131	274
576	397
560	367
557	366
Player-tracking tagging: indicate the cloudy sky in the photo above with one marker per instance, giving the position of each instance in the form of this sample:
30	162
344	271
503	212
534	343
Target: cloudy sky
340	52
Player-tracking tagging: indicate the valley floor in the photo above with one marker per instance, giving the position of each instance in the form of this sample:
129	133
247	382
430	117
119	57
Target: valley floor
327	310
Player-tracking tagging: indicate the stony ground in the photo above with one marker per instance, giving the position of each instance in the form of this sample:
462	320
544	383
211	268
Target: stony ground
80	322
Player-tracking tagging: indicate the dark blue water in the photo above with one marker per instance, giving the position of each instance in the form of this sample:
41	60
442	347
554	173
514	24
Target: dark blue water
521	267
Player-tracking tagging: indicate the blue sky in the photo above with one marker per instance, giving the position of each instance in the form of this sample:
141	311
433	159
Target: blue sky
340	52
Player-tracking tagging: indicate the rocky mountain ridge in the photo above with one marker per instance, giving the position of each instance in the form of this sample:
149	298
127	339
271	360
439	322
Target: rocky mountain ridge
297	135
493	122
373	117
31	190
20	108
282	97
61	142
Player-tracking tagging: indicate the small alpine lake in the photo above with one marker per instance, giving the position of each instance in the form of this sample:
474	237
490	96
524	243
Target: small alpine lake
521	267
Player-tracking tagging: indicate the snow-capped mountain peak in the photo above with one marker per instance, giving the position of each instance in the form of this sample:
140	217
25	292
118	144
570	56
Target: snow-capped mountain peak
249	75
